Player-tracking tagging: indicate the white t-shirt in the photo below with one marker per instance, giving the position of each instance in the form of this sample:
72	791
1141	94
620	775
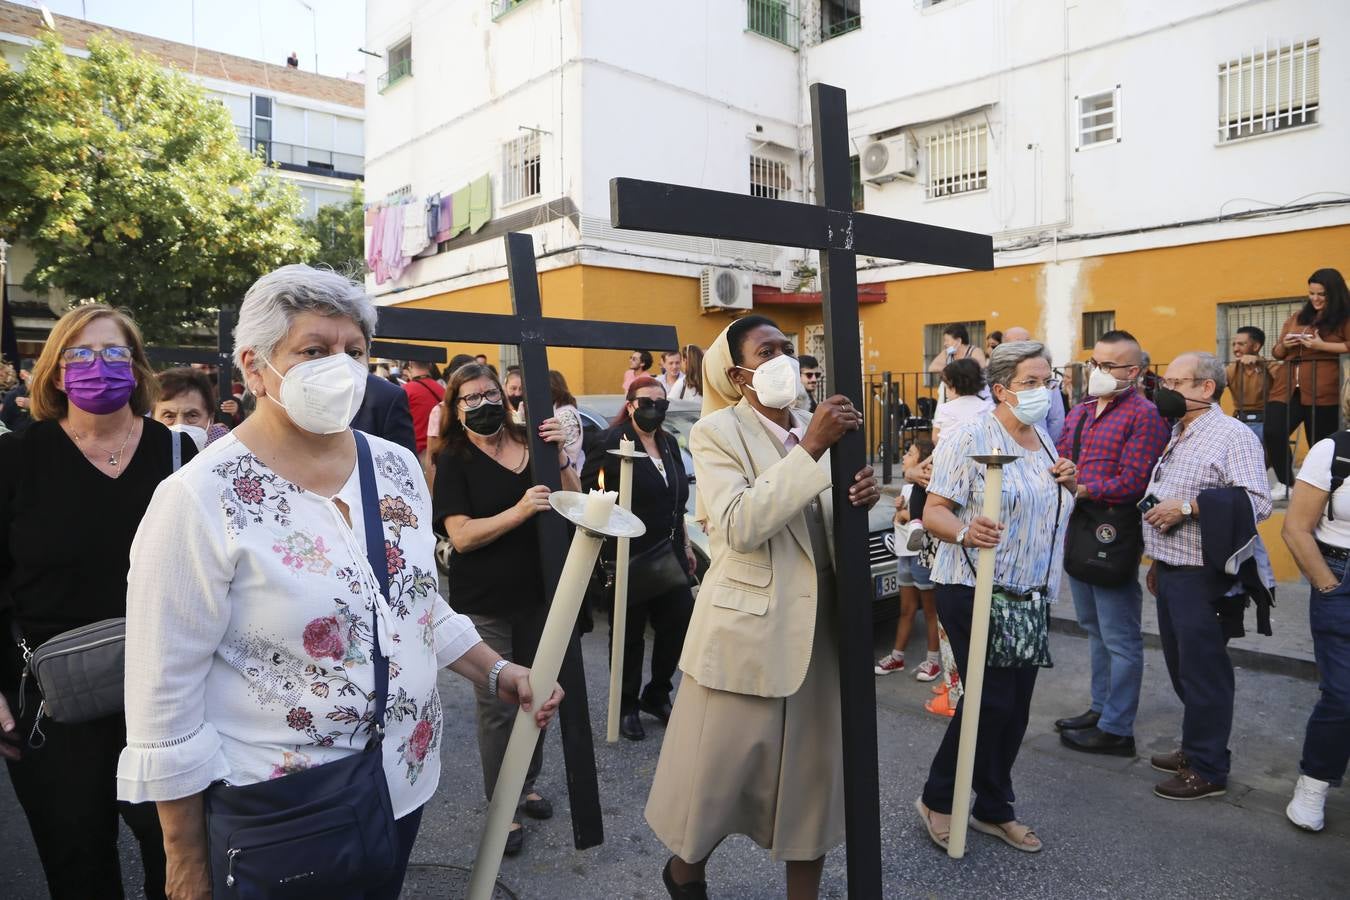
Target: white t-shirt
959	409
1317	472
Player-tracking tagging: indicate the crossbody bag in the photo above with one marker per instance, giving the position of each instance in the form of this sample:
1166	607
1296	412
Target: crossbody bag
80	674
1104	541
1019	624
328	830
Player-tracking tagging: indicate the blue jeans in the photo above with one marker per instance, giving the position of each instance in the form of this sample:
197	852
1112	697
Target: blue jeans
1258	429
1326	744
1110	616
1196	652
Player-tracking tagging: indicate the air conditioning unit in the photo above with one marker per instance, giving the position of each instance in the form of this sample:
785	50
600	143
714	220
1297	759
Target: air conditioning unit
889	160
725	289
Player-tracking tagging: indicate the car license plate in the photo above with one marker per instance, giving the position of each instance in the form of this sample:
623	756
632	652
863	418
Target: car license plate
887	585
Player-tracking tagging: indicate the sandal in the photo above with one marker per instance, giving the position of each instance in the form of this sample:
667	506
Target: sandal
1001	832
939	837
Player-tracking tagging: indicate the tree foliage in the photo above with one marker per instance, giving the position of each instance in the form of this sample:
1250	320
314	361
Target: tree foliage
130	186
338	230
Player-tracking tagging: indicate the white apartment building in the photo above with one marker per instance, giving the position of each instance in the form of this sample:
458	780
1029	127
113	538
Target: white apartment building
310	126
1166	166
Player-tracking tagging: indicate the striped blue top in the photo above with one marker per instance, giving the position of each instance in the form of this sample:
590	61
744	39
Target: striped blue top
1032	545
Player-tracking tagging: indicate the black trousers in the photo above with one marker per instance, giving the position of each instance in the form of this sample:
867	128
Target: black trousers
1005	706
669	616
68	791
1282	420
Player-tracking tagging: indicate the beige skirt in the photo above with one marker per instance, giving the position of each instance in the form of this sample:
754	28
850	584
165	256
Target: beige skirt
770	768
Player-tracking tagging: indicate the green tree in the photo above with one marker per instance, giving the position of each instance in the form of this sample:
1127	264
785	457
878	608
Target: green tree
130	186
338	230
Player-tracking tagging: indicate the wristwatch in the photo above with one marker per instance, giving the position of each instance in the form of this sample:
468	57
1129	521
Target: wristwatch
961	535
494	674
1186	509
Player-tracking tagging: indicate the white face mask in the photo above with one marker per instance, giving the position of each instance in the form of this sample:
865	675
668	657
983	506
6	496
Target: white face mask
198	435
1102	383
1032	405
776	382
323	395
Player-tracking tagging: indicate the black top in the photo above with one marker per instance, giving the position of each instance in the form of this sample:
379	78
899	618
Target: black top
66	529
384	412
657	502
501	579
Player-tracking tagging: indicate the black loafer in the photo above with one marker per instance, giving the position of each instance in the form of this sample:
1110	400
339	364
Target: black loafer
1088	719
691	890
515	841
630	726
659	709
1094	740
538	809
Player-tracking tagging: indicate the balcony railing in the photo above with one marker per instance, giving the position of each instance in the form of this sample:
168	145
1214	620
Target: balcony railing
774	19
502	7
397	72
308	159
843	26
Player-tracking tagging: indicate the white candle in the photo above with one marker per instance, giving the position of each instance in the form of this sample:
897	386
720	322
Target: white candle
626	445
599	505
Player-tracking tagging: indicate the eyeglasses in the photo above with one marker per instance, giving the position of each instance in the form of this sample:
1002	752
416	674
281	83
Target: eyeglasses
661	404
1173	383
84	356
1108	367
1030	384
473	401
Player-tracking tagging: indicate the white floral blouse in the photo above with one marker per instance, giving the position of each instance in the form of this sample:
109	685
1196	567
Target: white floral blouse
251	606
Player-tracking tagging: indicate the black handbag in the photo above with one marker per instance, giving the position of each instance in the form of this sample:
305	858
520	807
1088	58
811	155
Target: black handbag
327	830
1104	541
656	570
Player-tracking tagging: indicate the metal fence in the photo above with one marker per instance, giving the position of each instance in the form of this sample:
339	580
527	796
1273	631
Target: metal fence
898	406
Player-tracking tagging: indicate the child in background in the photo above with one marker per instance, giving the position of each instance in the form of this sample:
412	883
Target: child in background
916	583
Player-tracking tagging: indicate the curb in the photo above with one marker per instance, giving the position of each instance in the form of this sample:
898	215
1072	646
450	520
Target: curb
1254	660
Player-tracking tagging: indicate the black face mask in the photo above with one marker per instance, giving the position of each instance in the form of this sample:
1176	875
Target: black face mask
648	419
485	419
1173	404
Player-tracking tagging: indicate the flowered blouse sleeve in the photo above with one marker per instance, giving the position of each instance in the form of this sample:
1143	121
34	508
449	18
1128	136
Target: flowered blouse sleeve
177	614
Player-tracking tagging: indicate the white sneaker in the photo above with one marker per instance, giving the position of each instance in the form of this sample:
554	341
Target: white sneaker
1310	799
1279	492
917	534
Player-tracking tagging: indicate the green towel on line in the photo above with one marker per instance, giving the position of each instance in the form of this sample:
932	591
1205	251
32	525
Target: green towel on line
459	211
480	203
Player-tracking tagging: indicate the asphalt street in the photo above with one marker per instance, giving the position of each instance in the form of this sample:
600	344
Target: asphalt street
1104	831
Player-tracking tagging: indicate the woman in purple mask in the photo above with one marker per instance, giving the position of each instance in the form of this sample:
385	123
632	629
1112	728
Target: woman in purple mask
73	488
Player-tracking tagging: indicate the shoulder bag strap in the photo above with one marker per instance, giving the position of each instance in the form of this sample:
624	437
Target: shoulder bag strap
1078	437
1059	504
177	440
1340	466
370	513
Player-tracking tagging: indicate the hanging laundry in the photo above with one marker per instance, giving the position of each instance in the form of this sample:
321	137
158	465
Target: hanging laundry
394	260
446	218
433	216
480	203
415	238
460	209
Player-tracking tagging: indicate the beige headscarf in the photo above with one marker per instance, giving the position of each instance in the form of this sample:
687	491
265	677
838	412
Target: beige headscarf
719	391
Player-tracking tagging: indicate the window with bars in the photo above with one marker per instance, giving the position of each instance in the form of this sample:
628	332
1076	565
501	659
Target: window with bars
399	61
769	178
1099	118
839	17
1269	90
958	161
1096	324
1268	315
776	19
521	171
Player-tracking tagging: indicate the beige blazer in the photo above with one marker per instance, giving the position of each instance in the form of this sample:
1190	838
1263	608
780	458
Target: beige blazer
755	617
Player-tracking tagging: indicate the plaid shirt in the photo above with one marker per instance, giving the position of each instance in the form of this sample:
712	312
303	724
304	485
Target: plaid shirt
1214	451
1119	447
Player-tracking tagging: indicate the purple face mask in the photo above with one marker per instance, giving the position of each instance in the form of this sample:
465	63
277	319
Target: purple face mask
100	387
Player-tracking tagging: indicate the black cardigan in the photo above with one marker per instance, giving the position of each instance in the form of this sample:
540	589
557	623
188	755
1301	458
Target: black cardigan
658	503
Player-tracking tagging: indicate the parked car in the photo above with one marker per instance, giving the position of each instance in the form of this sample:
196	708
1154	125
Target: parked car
597	410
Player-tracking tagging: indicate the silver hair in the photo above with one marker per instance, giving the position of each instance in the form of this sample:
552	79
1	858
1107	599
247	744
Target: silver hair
1005	359
1208	367
273	301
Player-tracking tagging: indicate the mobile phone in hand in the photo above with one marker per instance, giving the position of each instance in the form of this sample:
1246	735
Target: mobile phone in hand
1148	503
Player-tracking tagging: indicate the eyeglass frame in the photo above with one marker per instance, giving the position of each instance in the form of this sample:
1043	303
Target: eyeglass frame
1110	368
95	354
480	398
1173	383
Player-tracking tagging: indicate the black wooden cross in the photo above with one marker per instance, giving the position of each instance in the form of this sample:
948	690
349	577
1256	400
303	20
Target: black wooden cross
527	329
221	357
833	228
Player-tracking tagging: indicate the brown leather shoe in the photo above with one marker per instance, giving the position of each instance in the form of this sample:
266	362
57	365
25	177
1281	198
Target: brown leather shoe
1169	762
1186	785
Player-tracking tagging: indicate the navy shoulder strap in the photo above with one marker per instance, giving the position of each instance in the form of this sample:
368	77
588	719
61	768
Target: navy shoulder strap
379	562
1340	465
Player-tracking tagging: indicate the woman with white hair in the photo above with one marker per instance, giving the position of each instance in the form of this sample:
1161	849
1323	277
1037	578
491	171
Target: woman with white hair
258	630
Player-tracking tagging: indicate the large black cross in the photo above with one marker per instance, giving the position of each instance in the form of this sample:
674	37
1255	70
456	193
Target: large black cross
527	329
221	357
840	234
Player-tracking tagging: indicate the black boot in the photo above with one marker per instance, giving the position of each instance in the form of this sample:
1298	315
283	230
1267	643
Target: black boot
630	726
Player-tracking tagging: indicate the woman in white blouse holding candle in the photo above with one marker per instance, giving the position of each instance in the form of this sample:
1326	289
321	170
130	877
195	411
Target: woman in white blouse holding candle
250	634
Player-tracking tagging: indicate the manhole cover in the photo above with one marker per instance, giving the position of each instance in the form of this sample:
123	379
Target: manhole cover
444	883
